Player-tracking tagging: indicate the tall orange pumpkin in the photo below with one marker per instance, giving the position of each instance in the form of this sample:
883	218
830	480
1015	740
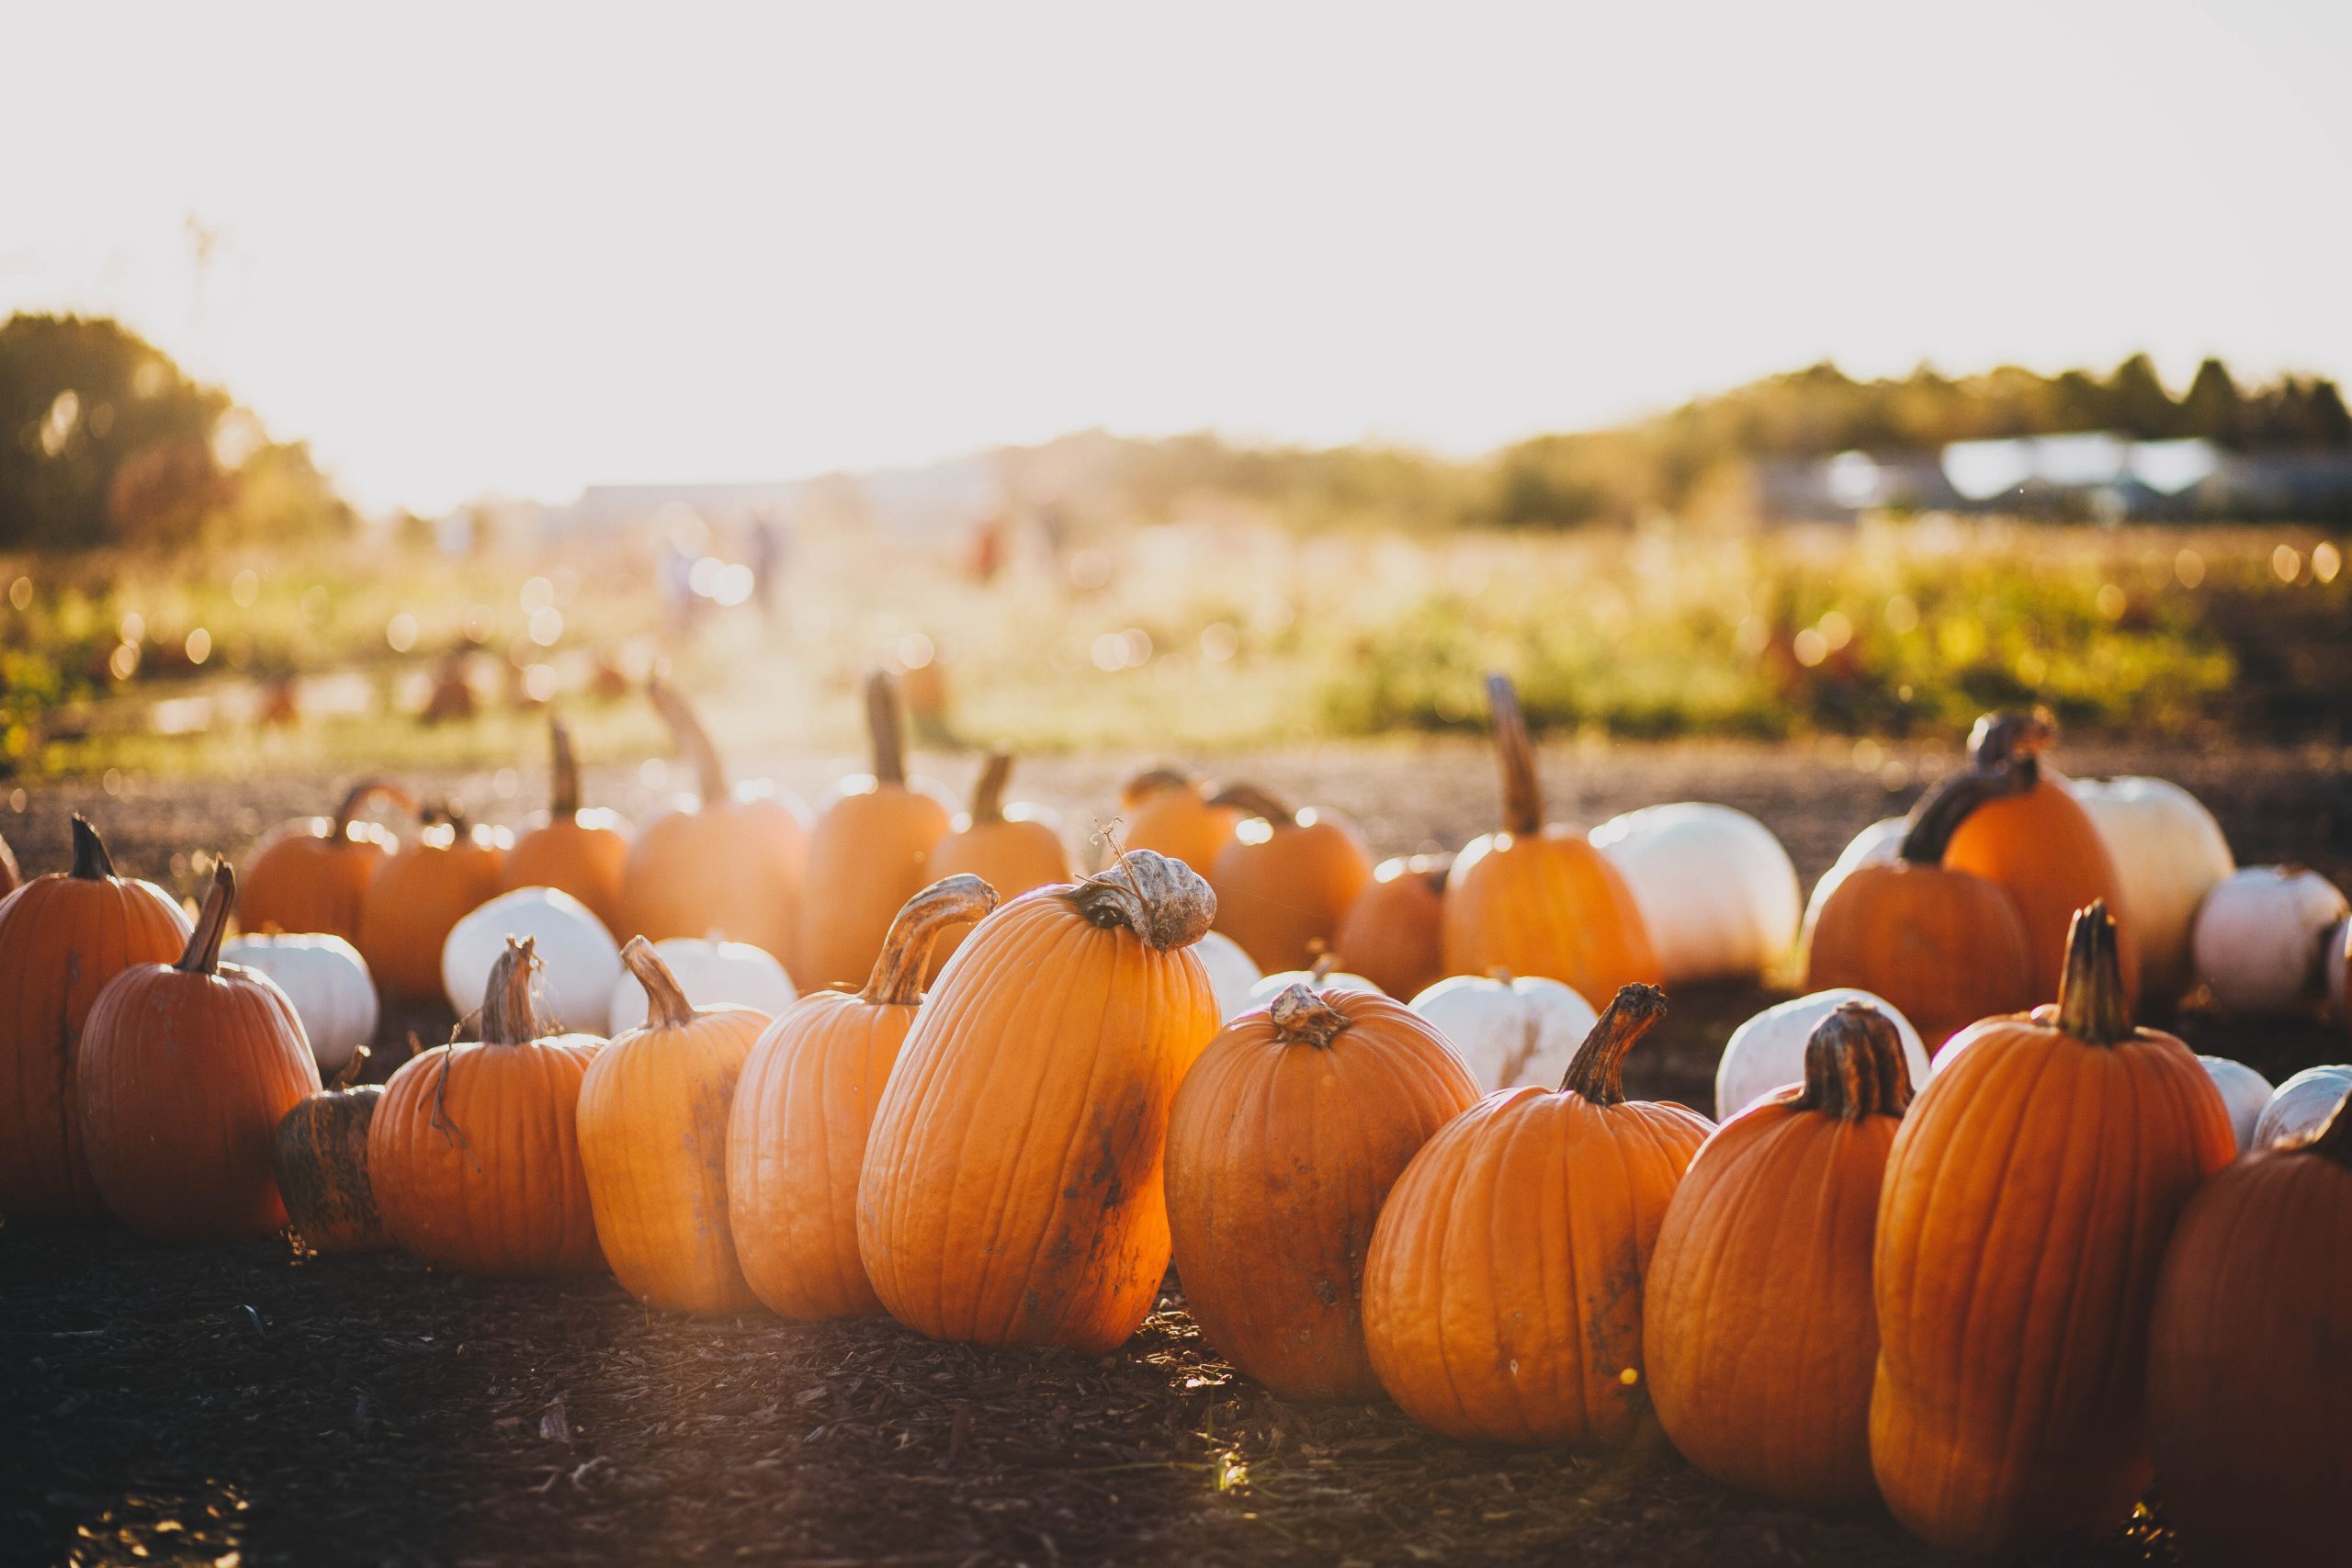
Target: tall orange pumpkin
2028	1201
1170	813
184	1070
796	1141
653	1113
1503	1297
1757	1322
1282	1144
309	874
1012	1193
1286	878
1394	932
1011	847
585	854
63	937
1539	899
449	870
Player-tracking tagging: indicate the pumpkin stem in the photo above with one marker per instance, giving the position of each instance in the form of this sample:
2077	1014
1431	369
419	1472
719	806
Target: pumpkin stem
348	1074
202	955
1152	781
563	794
508	1015
1302	1018
1164	901
360	796
91	861
2091	1006
1522	790
1597	1070
896	980
1939	812
694	740
1854	1065
1325	962
2334	1138
666	1006
2013	740
988	793
1256	802
889	728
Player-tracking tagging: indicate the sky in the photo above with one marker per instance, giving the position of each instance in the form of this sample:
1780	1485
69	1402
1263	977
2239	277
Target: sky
485	249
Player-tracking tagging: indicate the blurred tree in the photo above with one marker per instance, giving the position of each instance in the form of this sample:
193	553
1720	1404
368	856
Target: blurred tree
2212	407
2139	405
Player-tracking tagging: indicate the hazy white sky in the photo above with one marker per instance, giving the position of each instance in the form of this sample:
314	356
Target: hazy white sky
479	248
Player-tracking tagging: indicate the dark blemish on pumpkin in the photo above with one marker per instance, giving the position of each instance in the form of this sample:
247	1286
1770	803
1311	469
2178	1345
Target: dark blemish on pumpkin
1326	1292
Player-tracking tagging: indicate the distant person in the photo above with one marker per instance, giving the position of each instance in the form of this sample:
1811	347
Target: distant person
771	550
987	549
675	582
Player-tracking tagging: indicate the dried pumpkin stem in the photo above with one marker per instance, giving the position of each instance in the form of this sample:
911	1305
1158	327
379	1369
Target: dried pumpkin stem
887	725
896	980
2334	1140
1939	812
2091	1003
1854	1065
1256	802
362	796
666	1006
354	1065
1597	1070
508	1015
1325	962
1152	781
91	861
1163	901
1302	1018
685	728
987	793
2013	740
202	956
563	792
1522	790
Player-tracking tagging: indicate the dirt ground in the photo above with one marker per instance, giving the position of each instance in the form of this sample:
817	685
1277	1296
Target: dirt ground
243	1405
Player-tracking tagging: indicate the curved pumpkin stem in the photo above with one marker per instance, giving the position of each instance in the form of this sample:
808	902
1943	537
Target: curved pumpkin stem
685	728
666	1006
889	728
1854	1065
987	793
1153	781
1522	790
1302	1018
2013	740
563	792
1256	802
508	1015
2091	1005
1325	962
202	955
363	795
2333	1139
348	1074
1939	812
1163	901
91	861
1597	1070
896	980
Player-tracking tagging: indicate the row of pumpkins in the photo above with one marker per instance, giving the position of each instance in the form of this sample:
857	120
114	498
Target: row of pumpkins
1016	1159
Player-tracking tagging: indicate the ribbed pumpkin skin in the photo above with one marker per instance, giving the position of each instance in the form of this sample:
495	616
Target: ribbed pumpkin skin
302	880
585	855
1282	896
2043	847
1546	904
1394	932
413	900
320	1153
62	938
1946	947
1280	1153
1013	856
870	852
1179	822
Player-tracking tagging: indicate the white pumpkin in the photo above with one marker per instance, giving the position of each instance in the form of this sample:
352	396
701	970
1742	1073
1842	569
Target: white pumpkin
1275	984
1233	975
578	961
2168	854
712	973
1878	844
1714	886
2261	940
2303	1103
2244	1090
1508	1032
1767	1052
328	983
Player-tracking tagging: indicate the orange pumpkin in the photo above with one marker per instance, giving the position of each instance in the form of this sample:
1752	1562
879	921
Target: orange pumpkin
1011	847
796	1141
63	937
1394	932
474	1153
585	854
869	853
2249	1384
1012	1193
1536	899
451	869
1503	1297
653	1113
2029	1197
1283	1140
184	1070
730	863
1757	1322
1286	878
309	874
1170	813
320	1153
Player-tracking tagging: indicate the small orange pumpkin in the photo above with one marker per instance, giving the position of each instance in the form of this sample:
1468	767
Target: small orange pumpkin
1394	932
585	854
869	853
309	874
320	1153
1169	813
451	869
1286	878
1011	847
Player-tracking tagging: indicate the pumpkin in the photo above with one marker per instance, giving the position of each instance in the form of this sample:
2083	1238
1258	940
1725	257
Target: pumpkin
473	1151
1175	815
1394	932
2168	854
1536	899
2027	1199
1502	1294
63	937
1718	894
309	874
1286	879
329	985
1758	1324
577	959
2034	839
582	853
2261	940
796	1141
1880	843
731	862
869	853
184	1071
320	1156
1012	1193
1769	1051
1323	975
1011	847
1944	947
1282	1144
2245	1094
712	973
10	877
1511	1031
1232	977
653	1113
2301	1104
411	903
2249	1387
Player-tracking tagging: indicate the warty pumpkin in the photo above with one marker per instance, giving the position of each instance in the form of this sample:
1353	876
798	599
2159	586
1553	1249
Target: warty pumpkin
1286	878
450	869
474	1153
1012	1193
582	853
795	1140
653	1113
309	874
2028	1201
320	1156
184	1071
63	937
1282	1146
1502	1296
869	853
1394	932
1011	847
2249	1382
1758	1327
1170	813
1536	899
